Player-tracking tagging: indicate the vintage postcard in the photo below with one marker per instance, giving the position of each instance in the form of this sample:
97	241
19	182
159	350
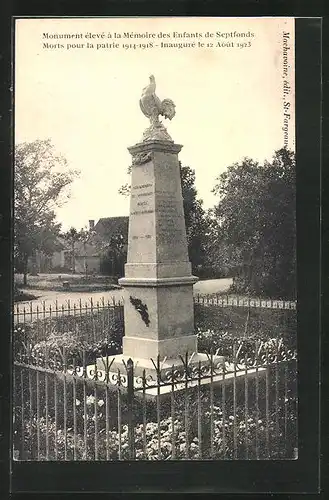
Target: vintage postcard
154	240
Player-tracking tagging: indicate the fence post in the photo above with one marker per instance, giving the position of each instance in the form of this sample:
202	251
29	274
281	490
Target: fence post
130	398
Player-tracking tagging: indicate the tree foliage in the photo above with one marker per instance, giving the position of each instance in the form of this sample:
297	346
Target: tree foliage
113	252
195	221
254	224
72	236
41	179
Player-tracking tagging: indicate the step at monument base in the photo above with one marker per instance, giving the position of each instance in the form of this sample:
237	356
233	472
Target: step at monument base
119	362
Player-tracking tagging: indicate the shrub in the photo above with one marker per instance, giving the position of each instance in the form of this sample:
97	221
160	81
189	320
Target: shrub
56	347
20	295
238	322
91	326
56	439
223	341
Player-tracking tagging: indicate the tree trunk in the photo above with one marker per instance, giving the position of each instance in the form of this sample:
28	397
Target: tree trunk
25	270
85	259
73	258
34	270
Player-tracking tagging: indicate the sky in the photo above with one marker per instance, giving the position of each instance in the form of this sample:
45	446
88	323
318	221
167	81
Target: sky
229	98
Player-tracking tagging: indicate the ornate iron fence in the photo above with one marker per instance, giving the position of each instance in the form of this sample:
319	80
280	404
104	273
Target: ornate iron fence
243	406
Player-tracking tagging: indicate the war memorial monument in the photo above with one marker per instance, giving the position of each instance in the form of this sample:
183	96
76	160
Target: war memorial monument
158	282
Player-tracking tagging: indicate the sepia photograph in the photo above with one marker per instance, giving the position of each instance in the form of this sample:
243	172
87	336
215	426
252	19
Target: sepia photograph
155	284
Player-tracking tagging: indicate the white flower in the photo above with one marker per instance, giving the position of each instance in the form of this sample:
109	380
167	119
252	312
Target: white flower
90	400
100	402
77	402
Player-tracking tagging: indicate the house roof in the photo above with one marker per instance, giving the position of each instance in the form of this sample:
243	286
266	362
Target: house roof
108	226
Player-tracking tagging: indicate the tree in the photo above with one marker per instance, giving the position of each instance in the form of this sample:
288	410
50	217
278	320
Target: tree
72	236
85	238
256	224
218	262
41	180
196	220
113	252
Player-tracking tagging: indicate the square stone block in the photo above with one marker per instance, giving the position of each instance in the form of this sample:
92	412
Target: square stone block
159	312
146	348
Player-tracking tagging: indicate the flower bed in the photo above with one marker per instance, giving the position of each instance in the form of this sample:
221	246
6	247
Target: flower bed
257	427
233	437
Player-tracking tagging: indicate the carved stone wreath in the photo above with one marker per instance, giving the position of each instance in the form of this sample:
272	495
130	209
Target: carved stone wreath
141	309
141	158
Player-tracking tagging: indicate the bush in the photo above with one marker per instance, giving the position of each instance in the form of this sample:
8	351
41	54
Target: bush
57	348
20	295
69	347
211	341
236	323
99	325
60	270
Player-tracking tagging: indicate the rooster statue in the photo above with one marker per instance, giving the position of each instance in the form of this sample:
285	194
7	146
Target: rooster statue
152	107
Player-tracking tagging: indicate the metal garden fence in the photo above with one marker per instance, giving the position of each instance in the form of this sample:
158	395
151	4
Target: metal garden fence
236	301
90	321
243	406
98	321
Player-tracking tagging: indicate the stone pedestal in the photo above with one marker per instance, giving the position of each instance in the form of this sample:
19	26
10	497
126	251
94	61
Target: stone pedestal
158	283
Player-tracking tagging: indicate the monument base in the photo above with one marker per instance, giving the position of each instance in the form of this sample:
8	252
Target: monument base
136	347
151	388
196	359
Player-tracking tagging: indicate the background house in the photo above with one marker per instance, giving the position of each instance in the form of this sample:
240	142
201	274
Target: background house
86	258
104	250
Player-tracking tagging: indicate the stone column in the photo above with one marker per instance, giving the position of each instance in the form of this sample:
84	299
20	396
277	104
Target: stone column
158	283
